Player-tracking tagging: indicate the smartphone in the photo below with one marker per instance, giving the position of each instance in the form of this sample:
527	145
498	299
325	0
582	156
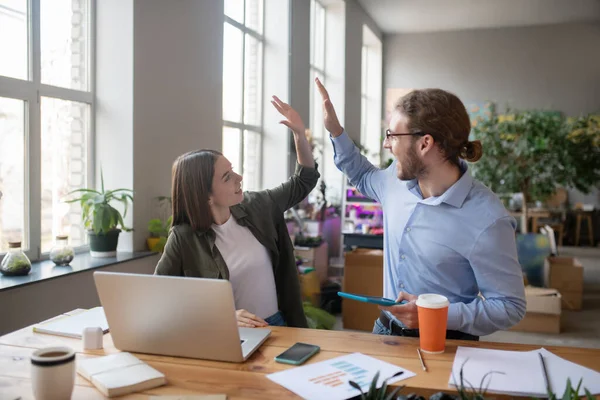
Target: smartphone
382	301
298	354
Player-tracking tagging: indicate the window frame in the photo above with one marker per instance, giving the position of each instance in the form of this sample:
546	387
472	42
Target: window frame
31	91
242	126
315	71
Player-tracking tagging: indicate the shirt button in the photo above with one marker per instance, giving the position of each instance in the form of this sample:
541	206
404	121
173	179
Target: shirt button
407	229
403	256
402	285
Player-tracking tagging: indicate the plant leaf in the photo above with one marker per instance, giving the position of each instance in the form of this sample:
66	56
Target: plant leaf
356	386
392	395
373	387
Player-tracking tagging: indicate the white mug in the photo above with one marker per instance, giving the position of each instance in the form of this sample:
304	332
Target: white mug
53	373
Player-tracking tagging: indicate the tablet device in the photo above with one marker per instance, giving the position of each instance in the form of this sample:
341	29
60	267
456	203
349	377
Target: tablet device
382	301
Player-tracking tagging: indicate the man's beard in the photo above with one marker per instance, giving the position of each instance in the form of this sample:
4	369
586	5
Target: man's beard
412	166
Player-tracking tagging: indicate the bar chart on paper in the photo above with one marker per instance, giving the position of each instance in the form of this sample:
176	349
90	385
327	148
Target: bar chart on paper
329	379
347	371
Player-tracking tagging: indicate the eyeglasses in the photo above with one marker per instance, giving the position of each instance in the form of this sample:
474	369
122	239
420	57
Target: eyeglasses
389	133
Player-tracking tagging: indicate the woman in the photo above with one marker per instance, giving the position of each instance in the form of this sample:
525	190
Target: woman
220	232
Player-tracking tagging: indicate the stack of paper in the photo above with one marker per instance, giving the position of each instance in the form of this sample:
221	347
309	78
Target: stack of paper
329	379
73	325
519	373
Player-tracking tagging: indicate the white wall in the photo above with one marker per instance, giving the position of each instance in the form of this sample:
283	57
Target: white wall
178	74
159	89
555	67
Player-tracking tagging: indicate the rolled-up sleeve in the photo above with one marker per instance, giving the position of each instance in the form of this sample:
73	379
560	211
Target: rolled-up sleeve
499	276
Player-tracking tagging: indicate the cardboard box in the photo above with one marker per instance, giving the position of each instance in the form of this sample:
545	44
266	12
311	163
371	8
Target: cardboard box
363	274
565	274
543	311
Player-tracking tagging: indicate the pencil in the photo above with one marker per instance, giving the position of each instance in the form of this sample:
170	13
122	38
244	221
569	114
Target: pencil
421	358
545	371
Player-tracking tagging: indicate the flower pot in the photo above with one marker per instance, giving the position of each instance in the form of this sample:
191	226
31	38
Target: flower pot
104	245
156	243
151	242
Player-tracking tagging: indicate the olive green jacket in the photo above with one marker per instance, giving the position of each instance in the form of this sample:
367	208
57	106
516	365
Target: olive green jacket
194	253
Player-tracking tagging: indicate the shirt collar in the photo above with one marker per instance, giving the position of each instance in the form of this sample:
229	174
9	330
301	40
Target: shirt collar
454	196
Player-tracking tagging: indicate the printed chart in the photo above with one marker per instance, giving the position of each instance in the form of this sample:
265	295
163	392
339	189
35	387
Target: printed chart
329	379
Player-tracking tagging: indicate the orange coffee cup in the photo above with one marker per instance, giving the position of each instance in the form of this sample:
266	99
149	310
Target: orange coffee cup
433	319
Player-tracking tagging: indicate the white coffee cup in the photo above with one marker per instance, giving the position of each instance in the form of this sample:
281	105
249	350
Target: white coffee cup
53	373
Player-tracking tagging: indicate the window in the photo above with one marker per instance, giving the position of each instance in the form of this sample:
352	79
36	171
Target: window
46	108
371	96
243	43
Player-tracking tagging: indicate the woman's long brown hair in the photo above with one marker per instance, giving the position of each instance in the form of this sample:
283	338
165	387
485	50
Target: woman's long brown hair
191	185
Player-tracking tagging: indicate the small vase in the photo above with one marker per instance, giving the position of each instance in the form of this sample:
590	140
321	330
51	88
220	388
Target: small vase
15	262
62	253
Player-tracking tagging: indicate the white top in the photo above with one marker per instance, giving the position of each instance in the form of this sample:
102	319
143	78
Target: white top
250	268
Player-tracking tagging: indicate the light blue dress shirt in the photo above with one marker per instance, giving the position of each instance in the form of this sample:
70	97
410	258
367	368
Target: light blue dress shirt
457	244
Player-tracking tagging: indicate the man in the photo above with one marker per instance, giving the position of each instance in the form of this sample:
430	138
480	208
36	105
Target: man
445	232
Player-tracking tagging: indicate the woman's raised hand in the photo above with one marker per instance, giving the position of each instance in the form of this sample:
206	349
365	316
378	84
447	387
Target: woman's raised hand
292	118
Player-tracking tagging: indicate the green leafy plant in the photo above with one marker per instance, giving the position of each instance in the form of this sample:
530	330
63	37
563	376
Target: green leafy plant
377	394
98	214
583	150
466	391
159	227
532	152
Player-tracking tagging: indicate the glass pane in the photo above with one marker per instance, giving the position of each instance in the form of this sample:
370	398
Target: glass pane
251	160
364	70
254	15
65	43
234	9
13	38
253	82
233	39
312	32
232	143
319	37
65	129
316	117
12	173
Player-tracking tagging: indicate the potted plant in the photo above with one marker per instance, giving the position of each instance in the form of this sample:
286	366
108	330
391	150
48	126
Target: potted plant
159	227
103	222
533	152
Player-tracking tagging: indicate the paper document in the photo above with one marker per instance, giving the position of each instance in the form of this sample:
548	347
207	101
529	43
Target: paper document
329	379
519	373
559	370
73	325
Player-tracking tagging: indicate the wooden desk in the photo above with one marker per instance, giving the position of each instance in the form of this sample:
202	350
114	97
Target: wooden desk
247	380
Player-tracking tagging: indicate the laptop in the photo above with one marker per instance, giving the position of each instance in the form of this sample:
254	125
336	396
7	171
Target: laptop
175	316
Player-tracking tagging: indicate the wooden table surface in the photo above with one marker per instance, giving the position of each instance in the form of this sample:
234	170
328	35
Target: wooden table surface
247	380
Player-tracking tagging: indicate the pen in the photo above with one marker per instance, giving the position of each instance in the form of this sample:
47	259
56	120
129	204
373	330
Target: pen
421	358
546	379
